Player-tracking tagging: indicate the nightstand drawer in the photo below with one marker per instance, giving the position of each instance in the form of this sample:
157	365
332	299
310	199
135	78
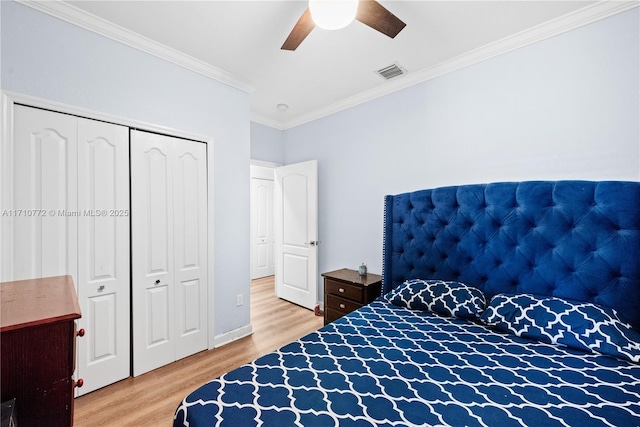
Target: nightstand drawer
344	290
331	315
341	305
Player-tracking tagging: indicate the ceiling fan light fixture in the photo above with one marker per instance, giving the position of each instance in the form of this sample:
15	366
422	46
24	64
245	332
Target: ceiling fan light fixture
333	14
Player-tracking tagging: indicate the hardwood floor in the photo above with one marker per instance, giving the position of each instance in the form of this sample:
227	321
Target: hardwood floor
151	399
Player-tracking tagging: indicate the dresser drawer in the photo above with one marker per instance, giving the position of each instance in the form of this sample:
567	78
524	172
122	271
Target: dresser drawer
344	290
342	305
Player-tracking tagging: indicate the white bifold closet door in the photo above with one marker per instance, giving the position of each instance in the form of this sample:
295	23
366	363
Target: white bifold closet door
70	196
104	353
169	247
41	238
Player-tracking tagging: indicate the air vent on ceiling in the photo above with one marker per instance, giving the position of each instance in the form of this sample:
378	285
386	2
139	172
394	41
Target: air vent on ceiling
393	70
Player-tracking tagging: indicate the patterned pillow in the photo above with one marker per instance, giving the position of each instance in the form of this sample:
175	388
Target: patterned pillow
443	297
580	325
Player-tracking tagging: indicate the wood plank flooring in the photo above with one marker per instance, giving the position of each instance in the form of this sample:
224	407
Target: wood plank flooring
151	399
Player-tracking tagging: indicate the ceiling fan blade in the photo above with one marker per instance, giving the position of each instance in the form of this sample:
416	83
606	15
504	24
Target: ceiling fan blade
301	30
375	15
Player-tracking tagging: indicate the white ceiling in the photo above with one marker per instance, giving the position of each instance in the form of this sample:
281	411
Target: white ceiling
332	70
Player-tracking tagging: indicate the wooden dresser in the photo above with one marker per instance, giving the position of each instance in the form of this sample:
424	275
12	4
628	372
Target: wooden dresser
38	334
345	290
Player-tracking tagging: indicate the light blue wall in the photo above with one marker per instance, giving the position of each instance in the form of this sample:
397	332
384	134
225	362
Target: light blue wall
563	108
54	60
267	143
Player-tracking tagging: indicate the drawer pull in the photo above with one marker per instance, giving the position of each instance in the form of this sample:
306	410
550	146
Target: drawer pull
341	290
78	383
80	332
341	305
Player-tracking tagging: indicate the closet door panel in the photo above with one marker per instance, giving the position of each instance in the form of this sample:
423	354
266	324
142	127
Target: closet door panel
158	210
190	207
43	220
152	249
102	335
157	325
103	255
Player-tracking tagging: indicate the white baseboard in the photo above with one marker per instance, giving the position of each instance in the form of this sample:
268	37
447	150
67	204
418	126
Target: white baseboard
231	336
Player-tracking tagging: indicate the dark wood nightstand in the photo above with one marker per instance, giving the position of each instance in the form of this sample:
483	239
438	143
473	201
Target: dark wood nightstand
345	290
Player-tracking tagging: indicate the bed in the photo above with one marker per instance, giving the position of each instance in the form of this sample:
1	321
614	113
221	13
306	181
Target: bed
503	304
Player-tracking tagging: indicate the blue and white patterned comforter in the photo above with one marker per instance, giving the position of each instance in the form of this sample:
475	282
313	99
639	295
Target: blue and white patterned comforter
388	366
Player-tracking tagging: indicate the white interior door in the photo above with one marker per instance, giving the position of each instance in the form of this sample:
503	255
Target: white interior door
169	247
40	221
262	234
103	253
296	230
152	250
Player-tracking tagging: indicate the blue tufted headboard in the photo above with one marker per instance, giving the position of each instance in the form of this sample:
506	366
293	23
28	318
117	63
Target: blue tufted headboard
578	240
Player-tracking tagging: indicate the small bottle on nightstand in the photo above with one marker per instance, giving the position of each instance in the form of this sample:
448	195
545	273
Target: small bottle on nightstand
362	270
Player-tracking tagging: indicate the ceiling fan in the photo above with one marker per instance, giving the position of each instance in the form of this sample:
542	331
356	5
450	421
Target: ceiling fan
369	12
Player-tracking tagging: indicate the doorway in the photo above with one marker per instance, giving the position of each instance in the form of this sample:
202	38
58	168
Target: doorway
284	229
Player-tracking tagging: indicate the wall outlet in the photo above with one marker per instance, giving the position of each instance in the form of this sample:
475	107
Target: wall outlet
239	300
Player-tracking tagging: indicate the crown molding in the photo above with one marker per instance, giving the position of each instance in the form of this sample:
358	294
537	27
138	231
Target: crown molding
267	121
568	22
88	21
562	24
